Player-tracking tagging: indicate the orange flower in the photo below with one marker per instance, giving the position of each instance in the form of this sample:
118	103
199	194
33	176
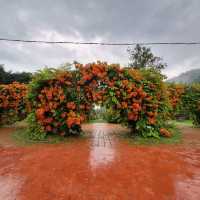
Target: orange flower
87	77
73	120
70	122
62	97
96	71
164	132
125	82
71	105
136	107
132	116
150	114
151	120
124	105
40	113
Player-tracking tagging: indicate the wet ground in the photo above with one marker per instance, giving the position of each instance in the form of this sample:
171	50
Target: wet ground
101	167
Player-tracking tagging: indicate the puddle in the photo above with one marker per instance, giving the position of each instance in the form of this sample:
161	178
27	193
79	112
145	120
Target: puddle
102	150
9	187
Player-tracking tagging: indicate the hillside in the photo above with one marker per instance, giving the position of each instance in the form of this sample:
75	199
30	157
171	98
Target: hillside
187	77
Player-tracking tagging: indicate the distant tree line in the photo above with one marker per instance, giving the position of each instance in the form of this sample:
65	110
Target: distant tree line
7	77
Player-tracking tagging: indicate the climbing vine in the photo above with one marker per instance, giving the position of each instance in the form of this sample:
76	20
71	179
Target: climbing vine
62	99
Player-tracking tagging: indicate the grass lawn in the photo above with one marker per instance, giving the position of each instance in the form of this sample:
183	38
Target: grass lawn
138	140
21	138
98	121
182	123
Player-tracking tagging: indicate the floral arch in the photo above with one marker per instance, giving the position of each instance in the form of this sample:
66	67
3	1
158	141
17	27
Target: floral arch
62	99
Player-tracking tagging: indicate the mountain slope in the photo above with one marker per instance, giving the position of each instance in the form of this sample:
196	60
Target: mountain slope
191	76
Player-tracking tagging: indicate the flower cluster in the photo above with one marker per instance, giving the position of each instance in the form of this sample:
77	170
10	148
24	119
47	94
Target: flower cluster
185	100
175	92
12	102
57	104
65	99
164	132
138	98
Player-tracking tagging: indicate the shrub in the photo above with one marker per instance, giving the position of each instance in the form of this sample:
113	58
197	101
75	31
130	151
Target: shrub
175	92
191	102
35	130
112	116
12	102
57	101
62	99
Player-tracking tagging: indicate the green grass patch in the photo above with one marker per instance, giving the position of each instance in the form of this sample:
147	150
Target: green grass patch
182	123
139	140
21	138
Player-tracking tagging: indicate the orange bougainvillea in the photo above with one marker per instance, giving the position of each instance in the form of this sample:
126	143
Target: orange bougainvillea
71	105
175	92
164	132
12	102
62	102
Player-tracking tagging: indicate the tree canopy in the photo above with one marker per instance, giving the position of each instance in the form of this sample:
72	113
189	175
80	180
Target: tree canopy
7	77
142	57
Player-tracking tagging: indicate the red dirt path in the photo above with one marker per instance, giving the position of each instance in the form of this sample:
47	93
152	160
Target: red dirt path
101	167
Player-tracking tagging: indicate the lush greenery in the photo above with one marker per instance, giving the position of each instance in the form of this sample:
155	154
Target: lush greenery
10	77
22	138
190	102
185	101
58	101
176	138
188	123
142	57
112	116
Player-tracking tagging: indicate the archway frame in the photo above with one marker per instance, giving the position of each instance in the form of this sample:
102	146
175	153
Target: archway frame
61	99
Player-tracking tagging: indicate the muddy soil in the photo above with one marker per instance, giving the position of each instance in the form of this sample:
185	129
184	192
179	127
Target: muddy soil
100	167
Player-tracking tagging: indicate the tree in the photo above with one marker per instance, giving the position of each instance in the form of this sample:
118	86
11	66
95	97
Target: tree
9	77
142	57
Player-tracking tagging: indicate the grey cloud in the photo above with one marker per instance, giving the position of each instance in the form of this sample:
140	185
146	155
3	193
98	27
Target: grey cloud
92	20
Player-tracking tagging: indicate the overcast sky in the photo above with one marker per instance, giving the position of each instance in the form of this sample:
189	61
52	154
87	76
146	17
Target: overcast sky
98	21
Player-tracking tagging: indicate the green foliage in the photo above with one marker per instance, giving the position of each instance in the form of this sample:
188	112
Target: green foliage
138	140
188	123
39	80
191	102
112	116
185	100
9	77
35	131
147	131
142	58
